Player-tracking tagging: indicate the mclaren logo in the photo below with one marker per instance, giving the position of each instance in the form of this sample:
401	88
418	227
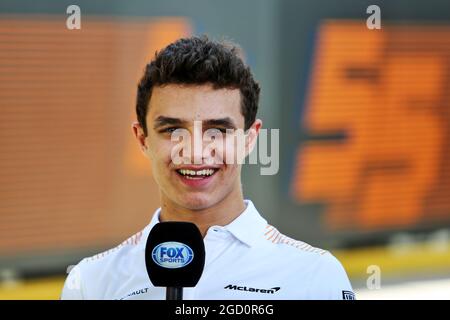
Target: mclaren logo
248	289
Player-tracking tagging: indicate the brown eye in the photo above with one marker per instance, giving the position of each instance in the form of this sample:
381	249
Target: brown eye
169	130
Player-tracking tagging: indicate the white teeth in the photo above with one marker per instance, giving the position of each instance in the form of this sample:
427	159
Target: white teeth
204	172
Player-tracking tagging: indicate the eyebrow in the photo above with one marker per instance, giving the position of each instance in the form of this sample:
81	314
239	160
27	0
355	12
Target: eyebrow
163	121
226	122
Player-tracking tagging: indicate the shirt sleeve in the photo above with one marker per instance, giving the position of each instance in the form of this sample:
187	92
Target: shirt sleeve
72	289
331	281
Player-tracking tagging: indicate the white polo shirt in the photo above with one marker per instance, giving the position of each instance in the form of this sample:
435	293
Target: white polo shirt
246	259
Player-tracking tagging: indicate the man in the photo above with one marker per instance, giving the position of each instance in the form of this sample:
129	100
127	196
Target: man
203	88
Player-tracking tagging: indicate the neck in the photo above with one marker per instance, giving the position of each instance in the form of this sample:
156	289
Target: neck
220	214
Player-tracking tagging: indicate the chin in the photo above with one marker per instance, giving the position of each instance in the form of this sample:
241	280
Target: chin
195	202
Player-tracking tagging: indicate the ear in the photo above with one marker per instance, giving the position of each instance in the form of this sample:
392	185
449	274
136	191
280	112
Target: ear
140	136
252	135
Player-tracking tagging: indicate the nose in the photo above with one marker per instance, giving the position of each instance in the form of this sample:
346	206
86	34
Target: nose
197	143
196	148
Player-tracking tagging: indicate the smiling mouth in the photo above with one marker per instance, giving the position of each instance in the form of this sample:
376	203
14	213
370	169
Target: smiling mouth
197	174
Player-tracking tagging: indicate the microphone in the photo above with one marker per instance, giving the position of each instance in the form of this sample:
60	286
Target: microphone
175	257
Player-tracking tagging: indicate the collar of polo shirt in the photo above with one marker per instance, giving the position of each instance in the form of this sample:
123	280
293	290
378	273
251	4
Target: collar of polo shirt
248	227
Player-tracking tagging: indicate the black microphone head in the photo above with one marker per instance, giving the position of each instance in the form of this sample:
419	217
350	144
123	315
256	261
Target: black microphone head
175	254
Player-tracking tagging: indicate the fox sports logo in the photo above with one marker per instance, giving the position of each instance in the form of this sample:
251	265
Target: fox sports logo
172	255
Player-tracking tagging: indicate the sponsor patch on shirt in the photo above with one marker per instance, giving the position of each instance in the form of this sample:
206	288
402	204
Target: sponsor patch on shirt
249	289
348	295
135	293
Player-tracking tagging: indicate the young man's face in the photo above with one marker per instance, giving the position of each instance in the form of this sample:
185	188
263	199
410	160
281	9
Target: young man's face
199	111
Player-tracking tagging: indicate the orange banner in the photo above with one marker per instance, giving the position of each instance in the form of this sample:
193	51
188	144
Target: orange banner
387	92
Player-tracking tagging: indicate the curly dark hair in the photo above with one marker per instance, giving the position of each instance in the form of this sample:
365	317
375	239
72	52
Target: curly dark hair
197	61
